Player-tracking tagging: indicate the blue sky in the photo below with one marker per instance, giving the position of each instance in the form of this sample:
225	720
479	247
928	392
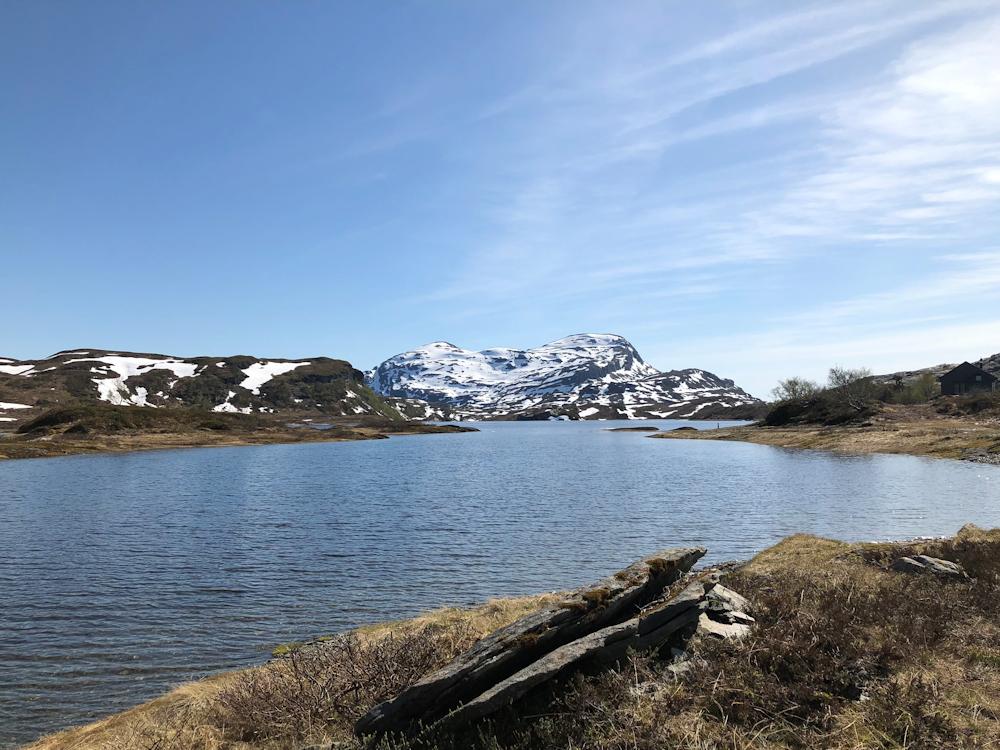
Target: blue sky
758	189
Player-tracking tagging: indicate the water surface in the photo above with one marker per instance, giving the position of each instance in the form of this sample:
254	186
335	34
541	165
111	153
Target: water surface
121	575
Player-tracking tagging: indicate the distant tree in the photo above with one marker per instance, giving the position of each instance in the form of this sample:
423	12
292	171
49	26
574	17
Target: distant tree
925	387
795	389
919	391
854	387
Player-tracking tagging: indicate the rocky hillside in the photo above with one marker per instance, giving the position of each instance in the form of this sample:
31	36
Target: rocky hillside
240	384
586	376
990	363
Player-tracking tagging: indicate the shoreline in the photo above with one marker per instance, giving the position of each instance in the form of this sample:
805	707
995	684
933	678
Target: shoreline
930	438
781	581
61	445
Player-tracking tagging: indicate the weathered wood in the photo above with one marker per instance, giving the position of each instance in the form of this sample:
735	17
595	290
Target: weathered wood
506	652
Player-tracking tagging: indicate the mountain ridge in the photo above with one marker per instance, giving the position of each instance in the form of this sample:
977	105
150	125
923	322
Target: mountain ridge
990	363
582	376
237	384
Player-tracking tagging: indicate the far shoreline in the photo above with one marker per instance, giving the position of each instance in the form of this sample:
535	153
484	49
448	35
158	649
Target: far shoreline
62	446
945	437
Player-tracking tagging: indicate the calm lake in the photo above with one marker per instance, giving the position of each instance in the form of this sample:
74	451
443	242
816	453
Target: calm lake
122	575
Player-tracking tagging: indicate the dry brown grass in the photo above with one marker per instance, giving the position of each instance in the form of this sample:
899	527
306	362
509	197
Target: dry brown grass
920	434
845	655
315	693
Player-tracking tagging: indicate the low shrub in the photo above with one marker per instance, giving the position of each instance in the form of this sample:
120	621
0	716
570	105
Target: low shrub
105	419
973	403
823	409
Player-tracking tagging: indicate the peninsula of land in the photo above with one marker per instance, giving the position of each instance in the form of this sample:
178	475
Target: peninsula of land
934	430
101	428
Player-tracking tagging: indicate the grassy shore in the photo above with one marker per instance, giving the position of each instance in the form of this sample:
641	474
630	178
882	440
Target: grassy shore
114	429
896	429
845	654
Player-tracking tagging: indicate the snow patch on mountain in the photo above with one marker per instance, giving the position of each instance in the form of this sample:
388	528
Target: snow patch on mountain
226	406
117	369
261	372
16	369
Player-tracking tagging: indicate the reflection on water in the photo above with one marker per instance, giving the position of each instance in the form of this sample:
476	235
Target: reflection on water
122	575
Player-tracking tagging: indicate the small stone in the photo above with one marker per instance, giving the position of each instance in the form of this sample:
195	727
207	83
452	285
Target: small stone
729	598
731	617
708	626
922	564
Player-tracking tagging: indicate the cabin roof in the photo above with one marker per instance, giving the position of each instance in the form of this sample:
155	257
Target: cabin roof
967	369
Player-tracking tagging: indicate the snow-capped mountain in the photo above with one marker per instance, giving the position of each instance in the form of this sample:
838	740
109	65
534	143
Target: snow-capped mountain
223	384
586	376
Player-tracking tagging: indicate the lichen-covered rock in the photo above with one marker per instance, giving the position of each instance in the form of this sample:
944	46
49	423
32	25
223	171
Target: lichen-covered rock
728	597
708	626
724	614
922	564
506	652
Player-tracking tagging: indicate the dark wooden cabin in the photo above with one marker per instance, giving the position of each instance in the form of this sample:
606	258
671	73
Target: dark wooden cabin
967	378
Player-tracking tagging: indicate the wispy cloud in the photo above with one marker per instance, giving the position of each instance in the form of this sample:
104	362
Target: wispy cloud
597	150
852	130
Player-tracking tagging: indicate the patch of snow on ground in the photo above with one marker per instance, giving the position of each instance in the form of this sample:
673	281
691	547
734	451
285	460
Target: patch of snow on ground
16	369
584	413
139	399
113	389
260	372
4	405
126	367
7	419
228	407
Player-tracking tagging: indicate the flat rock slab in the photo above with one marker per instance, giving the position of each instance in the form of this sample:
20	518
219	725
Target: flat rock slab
650	629
710	627
497	657
728	598
922	564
